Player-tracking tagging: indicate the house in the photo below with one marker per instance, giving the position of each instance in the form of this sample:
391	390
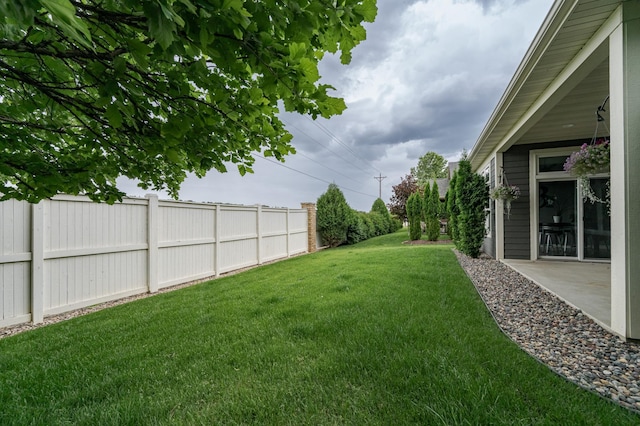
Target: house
579	81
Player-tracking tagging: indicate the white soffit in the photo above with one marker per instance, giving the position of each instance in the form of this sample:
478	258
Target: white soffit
567	59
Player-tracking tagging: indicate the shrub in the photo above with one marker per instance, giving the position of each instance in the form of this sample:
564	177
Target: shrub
357	230
433	224
379	207
368	224
333	215
414	213
452	208
472	195
396	224
379	223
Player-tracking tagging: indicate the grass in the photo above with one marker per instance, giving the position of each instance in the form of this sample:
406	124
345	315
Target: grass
377	333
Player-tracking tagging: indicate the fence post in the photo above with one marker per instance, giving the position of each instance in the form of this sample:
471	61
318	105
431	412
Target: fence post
288	233
37	262
218	244
259	232
311	226
152	242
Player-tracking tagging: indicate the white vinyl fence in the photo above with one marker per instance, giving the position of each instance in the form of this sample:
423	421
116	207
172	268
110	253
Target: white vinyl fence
68	252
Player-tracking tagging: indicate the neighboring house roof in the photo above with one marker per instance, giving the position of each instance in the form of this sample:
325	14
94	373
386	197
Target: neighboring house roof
443	186
560	82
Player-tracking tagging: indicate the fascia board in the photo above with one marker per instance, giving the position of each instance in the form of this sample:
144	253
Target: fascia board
557	16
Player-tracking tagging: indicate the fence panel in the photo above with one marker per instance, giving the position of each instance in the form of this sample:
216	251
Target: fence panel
186	240
298	242
238	243
68	252
93	252
15	262
274	231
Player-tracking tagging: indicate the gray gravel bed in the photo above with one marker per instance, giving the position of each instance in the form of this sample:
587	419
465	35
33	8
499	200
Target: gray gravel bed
558	335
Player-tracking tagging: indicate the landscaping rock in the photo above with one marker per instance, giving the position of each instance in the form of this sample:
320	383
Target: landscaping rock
558	335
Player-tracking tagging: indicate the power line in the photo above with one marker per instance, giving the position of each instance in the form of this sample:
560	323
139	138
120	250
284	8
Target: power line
325	166
339	141
325	147
311	176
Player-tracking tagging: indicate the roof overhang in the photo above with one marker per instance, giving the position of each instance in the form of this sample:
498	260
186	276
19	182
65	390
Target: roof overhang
560	82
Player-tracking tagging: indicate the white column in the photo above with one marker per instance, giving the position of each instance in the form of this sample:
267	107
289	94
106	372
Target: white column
499	211
152	243
624	69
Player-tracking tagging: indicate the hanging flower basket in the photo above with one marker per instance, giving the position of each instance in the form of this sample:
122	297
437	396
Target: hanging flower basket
590	160
506	194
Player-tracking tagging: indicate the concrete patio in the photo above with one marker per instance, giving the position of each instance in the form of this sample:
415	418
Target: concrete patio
584	285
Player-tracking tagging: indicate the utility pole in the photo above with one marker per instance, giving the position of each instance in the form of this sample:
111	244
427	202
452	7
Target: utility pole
380	179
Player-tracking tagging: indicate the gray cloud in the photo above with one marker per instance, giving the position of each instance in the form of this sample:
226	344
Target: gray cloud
426	79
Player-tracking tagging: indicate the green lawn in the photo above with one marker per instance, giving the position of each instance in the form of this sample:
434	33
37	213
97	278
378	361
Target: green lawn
377	333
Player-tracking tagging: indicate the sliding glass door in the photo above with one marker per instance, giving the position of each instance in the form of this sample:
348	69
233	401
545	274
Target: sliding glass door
558	218
570	225
597	222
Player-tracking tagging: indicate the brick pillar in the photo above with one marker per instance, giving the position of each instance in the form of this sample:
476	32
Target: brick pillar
311	226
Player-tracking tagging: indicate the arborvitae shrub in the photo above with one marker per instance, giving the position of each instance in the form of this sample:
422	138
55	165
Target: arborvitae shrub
357	230
414	213
380	225
472	195
452	208
433	213
333	216
379	207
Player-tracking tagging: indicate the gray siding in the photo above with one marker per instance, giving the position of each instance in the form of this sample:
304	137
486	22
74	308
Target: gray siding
517	228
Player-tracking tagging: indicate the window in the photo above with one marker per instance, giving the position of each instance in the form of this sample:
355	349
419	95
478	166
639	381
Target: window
551	164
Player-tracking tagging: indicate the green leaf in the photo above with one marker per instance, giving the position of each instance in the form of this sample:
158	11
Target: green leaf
64	15
113	115
332	106
173	155
309	69
232	4
367	9
297	50
139	52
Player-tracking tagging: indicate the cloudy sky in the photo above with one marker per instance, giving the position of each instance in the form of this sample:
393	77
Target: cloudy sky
426	79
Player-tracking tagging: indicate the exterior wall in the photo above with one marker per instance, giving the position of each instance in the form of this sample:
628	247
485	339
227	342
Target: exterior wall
624	87
517	234
516	226
68	252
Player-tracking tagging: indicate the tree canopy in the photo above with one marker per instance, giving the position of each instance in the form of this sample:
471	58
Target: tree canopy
91	90
430	166
401	193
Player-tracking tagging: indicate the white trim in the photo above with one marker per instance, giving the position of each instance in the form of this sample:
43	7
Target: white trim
593	53
535	178
624	88
499	210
